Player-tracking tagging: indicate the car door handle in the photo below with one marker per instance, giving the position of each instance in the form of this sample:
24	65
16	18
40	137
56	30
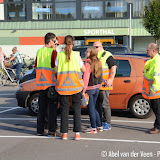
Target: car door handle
127	81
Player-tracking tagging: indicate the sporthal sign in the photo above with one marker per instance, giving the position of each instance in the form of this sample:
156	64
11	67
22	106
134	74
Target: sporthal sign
99	32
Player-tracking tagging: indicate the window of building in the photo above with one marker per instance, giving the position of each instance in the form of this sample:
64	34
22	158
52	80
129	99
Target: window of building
16	0
16	11
115	8
138	7
92	9
42	0
42	11
65	10
123	68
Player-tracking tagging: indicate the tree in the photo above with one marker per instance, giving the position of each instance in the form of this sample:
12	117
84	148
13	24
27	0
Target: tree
151	18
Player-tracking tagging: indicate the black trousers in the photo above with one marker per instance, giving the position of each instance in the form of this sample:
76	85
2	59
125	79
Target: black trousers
46	105
64	108
155	105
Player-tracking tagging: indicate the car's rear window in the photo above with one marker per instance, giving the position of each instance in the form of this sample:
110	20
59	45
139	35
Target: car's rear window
123	68
81	50
117	49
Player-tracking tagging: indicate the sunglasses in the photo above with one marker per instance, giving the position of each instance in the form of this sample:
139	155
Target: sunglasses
54	41
97	46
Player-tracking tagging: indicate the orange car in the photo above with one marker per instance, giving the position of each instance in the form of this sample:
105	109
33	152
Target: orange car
126	93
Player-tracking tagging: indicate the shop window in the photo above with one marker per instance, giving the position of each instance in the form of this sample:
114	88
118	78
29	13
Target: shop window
92	9
116	8
65	10
42	0
42	11
16	0
16	11
138	7
63	0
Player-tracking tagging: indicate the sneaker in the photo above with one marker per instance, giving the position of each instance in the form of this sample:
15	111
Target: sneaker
91	130
77	137
100	129
55	134
106	126
44	133
64	136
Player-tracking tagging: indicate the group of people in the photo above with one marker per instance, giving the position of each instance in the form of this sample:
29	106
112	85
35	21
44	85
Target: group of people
16	56
63	73
59	79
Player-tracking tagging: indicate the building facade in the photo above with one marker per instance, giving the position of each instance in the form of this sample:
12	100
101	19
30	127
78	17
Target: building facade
23	23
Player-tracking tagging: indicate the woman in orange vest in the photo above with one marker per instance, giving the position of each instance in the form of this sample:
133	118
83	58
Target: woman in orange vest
69	84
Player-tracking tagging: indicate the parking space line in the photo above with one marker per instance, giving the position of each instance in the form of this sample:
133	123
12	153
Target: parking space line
123	121
121	140
19	119
33	119
8	94
88	139
8	107
9	110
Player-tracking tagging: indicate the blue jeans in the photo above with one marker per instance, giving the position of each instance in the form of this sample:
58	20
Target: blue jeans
93	113
18	67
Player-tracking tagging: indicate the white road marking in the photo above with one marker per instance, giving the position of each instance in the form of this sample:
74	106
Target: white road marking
9	110
8	107
123	121
32	119
8	94
19	119
120	140
88	139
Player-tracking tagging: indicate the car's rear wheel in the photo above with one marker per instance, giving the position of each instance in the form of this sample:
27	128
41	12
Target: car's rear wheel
33	103
140	107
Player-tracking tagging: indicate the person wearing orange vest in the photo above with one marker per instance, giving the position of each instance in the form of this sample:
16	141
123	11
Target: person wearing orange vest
45	78
69	84
151	83
109	71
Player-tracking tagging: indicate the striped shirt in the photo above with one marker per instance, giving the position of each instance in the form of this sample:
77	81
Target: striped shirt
18	58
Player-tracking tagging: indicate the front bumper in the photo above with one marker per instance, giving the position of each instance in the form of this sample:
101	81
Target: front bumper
22	97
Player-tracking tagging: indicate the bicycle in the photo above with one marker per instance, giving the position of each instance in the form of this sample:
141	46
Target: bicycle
6	79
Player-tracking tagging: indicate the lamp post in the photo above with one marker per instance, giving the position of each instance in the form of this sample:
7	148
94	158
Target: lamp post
130	22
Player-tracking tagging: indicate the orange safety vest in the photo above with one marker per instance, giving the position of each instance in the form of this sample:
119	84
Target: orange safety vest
69	77
45	75
103	56
146	88
151	80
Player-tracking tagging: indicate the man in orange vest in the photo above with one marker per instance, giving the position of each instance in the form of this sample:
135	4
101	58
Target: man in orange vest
45	64
109	71
151	83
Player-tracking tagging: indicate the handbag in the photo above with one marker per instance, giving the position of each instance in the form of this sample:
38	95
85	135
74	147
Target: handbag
85	99
52	93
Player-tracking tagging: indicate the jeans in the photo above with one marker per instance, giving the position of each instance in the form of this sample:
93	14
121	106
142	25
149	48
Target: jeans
46	105
103	107
18	67
155	105
93	113
64	108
